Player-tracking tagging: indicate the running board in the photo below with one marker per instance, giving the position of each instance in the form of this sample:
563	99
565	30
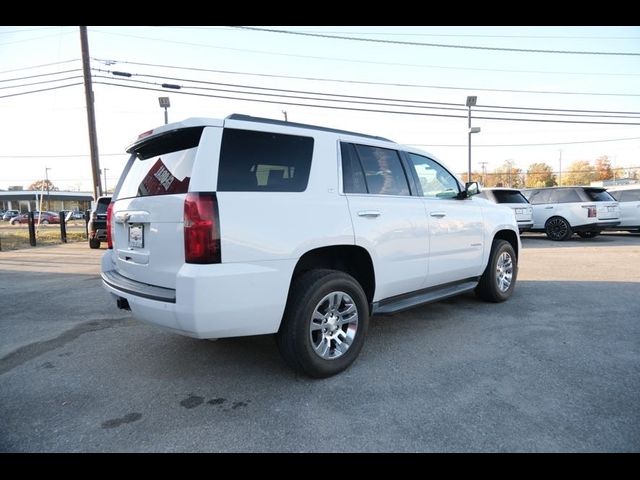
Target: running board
410	300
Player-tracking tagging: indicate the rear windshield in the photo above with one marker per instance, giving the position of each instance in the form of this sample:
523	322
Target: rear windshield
253	161
599	195
509	196
103	204
163	165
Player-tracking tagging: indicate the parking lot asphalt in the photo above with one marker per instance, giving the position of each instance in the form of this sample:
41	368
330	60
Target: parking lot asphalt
556	368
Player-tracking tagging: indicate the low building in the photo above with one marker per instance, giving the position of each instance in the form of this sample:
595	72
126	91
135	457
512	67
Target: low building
54	201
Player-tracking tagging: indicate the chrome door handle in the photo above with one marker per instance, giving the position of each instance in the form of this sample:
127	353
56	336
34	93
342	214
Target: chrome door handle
438	214
369	213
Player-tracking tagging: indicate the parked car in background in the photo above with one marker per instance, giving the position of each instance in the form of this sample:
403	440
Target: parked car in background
45	218
629	198
561	211
9	214
514	199
98	222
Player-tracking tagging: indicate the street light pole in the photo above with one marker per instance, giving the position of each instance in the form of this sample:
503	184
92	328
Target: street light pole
471	101
560	173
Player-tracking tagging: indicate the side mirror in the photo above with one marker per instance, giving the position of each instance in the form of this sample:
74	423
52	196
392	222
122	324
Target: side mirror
470	189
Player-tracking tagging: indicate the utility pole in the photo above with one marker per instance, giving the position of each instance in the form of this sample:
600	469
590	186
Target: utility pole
483	165
560	173
91	114
46	181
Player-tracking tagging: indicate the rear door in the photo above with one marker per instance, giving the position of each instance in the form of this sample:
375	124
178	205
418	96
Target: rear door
148	213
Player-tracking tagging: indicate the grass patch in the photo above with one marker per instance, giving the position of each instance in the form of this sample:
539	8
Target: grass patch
15	239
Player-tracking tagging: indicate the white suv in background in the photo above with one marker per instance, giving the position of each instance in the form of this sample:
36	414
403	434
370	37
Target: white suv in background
514	199
247	226
629	198
561	211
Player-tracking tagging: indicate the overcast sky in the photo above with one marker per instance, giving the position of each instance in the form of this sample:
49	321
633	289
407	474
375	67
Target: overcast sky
48	128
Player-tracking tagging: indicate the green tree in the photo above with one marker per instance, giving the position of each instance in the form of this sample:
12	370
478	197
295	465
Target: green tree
42	185
540	175
603	168
580	172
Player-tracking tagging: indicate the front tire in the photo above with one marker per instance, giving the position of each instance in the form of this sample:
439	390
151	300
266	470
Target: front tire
558	229
324	324
499	278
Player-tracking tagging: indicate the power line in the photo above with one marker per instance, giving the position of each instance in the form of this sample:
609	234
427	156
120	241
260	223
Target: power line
38	66
377	83
416	103
347	60
441	45
593	37
35	38
15	79
40	90
526	144
3	32
42	82
361	109
62	156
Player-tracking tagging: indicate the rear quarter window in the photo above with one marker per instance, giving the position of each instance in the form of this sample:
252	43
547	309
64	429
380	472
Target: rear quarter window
253	161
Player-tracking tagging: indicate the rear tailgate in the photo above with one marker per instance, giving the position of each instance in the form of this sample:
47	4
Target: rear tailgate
148	213
608	210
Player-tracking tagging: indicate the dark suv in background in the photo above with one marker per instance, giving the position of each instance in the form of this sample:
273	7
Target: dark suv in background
98	222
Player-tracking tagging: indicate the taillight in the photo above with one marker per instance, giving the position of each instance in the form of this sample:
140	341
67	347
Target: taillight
109	226
201	228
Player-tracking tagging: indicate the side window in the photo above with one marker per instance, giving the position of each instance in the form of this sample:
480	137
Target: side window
352	173
253	161
628	195
435	181
383	171
538	197
567	195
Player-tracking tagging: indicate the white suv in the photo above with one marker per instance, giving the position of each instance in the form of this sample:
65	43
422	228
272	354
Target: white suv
629	198
246	226
561	211
514	199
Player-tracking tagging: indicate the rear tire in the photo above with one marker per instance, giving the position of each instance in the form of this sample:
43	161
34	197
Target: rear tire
558	229
325	323
499	278
93	243
588	234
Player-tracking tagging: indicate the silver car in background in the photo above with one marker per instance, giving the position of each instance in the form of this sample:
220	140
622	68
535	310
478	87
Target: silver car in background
629	198
561	211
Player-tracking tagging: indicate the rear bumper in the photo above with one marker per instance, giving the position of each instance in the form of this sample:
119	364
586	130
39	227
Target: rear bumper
525	225
595	227
209	301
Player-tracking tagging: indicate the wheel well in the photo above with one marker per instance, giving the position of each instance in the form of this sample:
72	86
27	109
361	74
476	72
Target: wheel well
350	259
511	237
